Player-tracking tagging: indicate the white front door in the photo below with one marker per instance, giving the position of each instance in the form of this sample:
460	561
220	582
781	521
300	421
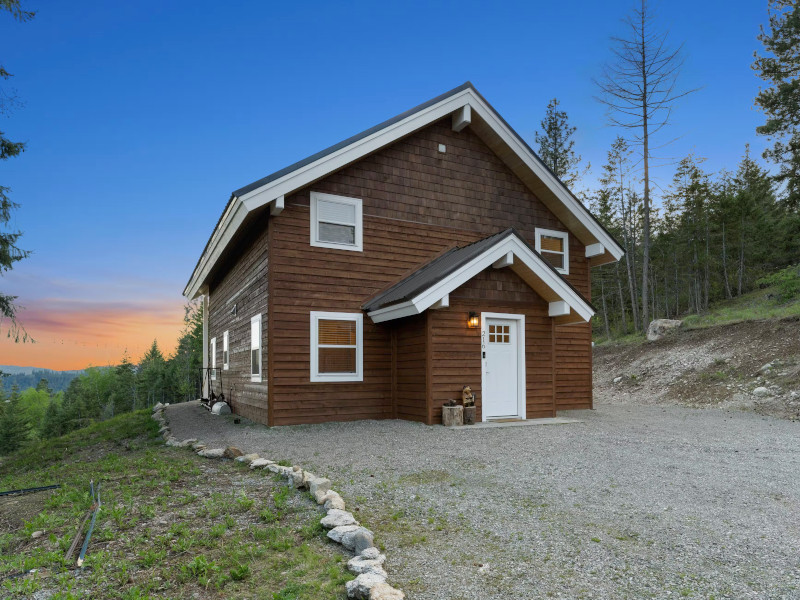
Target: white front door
501	368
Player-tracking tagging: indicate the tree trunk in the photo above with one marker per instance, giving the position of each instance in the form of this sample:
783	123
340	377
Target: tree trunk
646	157
741	257
621	301
605	308
707	269
725	264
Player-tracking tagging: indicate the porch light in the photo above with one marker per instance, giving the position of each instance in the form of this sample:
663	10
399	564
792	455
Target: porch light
473	322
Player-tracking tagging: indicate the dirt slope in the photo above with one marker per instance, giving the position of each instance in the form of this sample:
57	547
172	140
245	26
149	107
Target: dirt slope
727	366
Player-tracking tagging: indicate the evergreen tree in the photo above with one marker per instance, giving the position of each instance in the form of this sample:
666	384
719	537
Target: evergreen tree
781	100
556	144
151	379
53	422
184	366
10	253
14	426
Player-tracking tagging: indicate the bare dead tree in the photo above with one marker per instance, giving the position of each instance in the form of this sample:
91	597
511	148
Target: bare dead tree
639	88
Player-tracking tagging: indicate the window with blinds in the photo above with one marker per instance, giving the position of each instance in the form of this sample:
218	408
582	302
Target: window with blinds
336	349
554	248
255	348
335	222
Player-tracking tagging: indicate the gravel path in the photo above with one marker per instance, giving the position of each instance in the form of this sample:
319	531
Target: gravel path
633	502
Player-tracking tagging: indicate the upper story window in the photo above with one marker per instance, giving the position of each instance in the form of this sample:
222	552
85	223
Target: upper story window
336	346
336	222
554	248
225	355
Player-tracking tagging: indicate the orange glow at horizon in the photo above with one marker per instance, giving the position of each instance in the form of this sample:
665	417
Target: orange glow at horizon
80	335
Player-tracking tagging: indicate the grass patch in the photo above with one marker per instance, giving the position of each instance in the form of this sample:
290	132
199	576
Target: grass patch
172	524
768	303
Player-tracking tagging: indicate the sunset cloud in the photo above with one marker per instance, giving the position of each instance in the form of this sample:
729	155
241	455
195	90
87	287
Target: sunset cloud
74	334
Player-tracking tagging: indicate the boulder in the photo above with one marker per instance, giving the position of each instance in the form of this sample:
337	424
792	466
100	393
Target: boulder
232	452
372	553
171	441
319	486
766	369
383	591
361	540
659	328
617	379
295	477
198	446
359	564
337	518
158	407
762	392
337	533
246	458
37	534
352	537
360	587
212	452
188	442
260	463
333	500
163	430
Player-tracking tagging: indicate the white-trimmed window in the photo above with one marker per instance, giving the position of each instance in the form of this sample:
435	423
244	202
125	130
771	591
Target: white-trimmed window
554	248
255	348
336	222
213	358
226	359
337	349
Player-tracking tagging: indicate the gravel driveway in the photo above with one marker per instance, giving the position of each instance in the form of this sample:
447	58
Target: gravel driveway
632	502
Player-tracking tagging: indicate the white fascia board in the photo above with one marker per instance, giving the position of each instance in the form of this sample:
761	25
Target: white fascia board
461	118
231	221
550	180
344	156
396	311
277	206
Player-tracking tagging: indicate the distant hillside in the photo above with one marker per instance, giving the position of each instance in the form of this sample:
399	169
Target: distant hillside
26	377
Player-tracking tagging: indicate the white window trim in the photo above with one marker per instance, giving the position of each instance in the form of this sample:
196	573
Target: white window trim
226	355
336	316
359	236
213	358
553	233
256	377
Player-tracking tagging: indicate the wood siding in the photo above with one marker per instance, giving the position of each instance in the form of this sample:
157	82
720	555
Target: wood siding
243	282
417	202
410	381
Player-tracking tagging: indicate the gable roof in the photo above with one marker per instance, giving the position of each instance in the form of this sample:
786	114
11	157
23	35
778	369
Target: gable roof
467	107
430	285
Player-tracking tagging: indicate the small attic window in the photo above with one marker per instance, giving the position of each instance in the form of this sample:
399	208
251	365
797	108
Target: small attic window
554	248
336	222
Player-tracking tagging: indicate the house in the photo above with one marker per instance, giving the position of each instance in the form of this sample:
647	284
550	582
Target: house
374	279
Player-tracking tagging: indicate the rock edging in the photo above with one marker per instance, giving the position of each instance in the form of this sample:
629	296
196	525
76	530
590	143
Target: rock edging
343	528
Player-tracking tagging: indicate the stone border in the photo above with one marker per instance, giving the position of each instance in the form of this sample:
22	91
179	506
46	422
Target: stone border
343	528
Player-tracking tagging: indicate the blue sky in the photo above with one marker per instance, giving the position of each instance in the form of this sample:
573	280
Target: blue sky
141	118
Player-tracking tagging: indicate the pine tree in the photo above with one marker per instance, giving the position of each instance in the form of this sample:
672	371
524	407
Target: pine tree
556	146
14	426
781	100
10	253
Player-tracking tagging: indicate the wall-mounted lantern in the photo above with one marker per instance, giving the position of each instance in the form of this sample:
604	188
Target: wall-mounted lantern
473	322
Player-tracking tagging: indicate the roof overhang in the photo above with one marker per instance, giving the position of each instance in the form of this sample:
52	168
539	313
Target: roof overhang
566	305
467	108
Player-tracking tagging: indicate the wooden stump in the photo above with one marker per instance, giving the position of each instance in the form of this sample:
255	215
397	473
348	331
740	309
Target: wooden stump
469	415
452	416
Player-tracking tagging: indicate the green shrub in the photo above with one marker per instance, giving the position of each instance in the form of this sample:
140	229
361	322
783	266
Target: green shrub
786	283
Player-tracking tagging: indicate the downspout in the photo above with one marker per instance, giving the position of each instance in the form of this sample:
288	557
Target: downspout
205	378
